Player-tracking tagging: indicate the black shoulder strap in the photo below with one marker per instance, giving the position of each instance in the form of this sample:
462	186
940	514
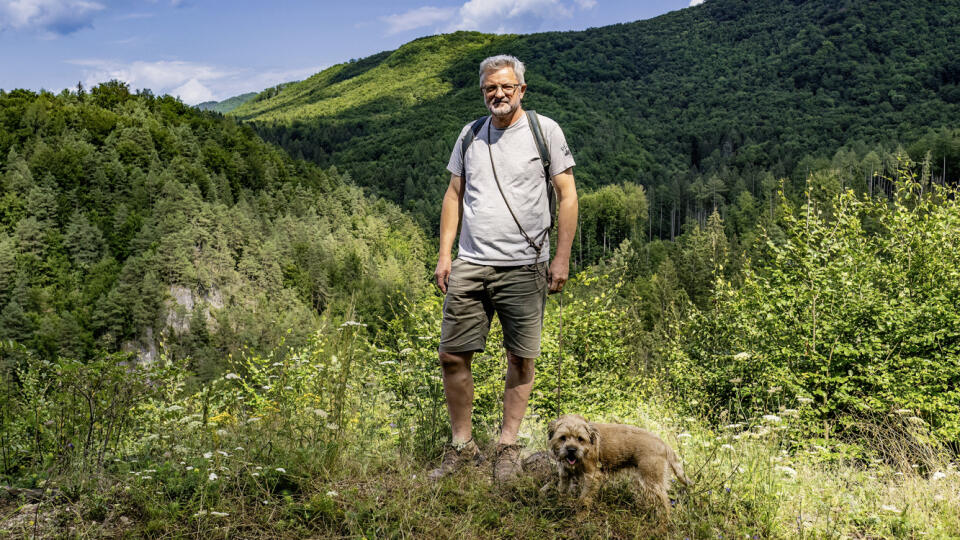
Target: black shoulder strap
534	124
468	138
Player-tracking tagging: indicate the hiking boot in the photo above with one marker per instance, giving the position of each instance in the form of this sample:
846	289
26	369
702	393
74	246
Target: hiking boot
456	457
507	466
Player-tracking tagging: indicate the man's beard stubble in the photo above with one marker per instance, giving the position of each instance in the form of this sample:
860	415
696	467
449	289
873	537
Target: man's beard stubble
493	103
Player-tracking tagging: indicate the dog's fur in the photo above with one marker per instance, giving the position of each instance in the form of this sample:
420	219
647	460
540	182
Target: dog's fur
585	451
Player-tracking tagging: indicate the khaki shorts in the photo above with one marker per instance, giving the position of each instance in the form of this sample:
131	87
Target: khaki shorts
517	294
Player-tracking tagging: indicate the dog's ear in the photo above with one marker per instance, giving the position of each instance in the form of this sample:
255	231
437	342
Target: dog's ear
551	429
594	434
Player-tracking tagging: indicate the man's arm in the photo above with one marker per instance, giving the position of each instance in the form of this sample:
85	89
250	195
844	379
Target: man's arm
450	214
567	209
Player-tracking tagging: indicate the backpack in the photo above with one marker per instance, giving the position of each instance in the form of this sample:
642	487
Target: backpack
534	123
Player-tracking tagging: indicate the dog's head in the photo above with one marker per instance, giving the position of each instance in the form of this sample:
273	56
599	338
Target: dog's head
573	441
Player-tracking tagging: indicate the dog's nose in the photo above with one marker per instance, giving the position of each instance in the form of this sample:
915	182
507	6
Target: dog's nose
571	451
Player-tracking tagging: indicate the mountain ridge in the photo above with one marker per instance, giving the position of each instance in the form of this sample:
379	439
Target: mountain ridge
728	87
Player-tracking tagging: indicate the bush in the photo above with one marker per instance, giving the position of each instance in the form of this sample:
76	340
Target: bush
853	315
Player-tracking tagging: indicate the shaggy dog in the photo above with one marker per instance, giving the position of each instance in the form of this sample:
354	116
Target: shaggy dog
585	451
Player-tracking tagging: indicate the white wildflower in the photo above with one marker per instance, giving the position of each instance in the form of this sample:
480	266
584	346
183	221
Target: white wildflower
255	474
741	356
736	380
772	418
259	468
353	323
253	419
904	411
222	433
207	455
890	508
726	447
265	387
174	408
733	426
277	364
407	350
805	400
939	475
238	449
213	476
789	471
790	412
219	514
222	453
189	468
774	389
320	412
201	513
332	493
147	477
281	470
231	376
332	427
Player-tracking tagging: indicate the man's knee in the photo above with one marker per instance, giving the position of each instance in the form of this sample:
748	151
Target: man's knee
454	362
519	363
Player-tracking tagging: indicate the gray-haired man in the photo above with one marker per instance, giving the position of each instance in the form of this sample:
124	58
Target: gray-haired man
498	192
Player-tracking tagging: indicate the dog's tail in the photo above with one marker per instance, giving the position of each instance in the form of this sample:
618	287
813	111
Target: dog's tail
678	471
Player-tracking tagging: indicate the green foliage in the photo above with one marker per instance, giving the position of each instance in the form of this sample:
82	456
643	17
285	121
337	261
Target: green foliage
696	105
853	316
129	222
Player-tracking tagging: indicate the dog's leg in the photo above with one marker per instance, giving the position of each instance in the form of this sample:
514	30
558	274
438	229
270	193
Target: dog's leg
563	482
589	484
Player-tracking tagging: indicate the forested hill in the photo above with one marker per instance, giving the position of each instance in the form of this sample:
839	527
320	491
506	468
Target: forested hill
130	222
720	92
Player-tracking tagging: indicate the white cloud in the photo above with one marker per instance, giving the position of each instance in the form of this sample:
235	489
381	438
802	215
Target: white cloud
192	82
53	17
504	16
499	16
417	18
695	2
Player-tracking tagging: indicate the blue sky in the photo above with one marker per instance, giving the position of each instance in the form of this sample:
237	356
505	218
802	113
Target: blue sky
212	49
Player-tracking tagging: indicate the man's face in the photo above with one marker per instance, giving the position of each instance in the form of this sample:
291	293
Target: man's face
501	102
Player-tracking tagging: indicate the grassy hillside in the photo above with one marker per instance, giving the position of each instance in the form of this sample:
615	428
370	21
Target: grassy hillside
730	88
227	105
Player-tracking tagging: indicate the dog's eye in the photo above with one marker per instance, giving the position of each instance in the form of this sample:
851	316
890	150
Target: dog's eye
581	439
563	437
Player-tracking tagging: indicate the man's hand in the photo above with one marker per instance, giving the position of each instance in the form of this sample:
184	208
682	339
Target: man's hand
442	273
558	274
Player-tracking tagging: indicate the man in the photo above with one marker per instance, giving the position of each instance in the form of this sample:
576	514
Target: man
498	192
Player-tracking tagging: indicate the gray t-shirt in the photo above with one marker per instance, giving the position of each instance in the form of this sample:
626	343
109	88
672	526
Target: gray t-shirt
488	235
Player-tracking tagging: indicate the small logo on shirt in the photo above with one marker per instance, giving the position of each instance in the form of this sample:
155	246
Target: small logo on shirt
565	149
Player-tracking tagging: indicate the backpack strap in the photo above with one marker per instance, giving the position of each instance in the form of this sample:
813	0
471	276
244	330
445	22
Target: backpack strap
468	138
534	122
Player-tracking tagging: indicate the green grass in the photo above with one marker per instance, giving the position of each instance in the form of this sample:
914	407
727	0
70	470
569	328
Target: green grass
749	484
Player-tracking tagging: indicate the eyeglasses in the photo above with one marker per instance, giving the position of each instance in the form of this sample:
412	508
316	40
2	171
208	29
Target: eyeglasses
508	89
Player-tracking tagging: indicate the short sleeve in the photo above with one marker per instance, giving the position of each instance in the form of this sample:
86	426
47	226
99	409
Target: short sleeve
455	164
561	158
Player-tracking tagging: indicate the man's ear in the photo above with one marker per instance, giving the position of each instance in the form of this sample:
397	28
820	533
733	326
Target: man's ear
551	429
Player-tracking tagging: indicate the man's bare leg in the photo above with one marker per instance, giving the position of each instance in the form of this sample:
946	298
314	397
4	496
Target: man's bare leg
516	394
458	390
